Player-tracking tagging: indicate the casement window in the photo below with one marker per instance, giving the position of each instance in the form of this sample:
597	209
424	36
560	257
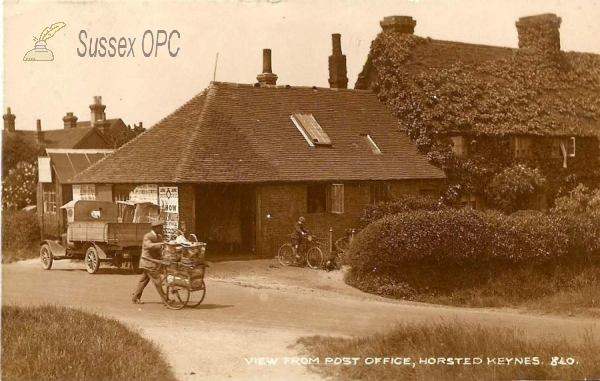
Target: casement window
468	201
521	146
310	129
563	147
322	198
380	192
49	197
459	146
570	146
84	192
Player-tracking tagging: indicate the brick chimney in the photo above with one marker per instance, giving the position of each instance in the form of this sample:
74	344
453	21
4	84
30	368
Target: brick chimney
400	24
539	33
9	121
97	109
70	121
39	134
338	78
267	77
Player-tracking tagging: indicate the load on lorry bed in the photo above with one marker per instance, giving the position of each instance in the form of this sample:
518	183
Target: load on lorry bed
96	233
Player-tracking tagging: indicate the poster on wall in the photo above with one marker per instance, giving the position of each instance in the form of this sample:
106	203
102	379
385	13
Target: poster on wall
168	199
144	193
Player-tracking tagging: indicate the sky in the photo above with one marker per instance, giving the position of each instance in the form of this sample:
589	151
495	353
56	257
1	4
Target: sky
147	89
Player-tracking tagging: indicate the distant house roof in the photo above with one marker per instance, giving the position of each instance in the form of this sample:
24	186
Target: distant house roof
443	86
69	162
246	133
65	138
87	123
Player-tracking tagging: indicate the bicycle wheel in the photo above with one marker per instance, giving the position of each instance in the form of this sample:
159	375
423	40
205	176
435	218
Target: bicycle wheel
314	258
197	296
286	254
176	296
342	245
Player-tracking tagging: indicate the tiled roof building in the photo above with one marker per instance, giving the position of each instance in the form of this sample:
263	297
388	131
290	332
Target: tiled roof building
245	161
246	133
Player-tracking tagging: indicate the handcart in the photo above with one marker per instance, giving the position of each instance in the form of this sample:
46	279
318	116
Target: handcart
183	269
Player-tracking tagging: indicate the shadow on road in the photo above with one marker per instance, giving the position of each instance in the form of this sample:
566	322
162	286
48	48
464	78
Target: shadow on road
213	306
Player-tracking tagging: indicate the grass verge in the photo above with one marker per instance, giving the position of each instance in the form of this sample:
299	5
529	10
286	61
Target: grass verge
438	344
58	343
562	291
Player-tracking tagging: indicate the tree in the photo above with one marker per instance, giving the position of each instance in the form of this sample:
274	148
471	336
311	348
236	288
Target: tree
19	186
510	190
15	150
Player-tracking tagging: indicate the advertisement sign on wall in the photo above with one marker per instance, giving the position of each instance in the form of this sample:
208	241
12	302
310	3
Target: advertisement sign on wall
168	198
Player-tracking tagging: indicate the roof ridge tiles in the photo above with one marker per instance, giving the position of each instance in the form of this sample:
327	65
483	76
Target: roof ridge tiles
284	87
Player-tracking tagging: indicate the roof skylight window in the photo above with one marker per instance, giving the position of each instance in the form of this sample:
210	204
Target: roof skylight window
372	144
311	129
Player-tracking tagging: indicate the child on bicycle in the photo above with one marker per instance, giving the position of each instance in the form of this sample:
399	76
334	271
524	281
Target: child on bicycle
298	235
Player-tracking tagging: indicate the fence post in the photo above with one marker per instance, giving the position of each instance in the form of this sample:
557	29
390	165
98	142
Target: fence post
330	240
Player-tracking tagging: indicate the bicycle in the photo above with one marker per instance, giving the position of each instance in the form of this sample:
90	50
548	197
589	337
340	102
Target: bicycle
313	257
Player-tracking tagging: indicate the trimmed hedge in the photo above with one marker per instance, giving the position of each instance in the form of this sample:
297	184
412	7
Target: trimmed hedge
453	249
402	204
20	229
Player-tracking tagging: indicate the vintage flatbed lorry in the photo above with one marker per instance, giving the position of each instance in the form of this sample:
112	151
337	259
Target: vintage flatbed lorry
96	234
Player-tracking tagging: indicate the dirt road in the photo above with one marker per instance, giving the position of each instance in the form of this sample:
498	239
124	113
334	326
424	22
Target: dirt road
252	309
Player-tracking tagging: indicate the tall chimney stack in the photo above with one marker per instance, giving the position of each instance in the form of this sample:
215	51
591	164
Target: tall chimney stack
70	121
97	110
338	78
9	121
539	33
400	24
267	77
39	134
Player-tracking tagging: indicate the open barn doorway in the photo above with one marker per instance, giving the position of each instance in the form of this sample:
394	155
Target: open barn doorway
225	218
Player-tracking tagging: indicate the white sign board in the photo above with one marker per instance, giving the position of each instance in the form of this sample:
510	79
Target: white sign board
44	170
145	193
168	199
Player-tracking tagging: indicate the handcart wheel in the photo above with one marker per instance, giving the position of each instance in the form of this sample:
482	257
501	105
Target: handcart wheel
197	296
176	296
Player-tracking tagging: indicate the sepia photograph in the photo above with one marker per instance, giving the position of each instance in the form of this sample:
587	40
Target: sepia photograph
300	190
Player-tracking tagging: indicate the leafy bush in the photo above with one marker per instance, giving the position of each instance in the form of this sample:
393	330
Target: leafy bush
581	202
402	204
19	186
511	189
456	249
19	229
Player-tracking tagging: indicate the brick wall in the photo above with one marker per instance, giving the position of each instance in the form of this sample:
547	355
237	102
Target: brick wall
280	205
187	209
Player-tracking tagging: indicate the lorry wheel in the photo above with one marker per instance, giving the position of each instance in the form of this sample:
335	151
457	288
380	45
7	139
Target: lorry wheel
92	261
46	256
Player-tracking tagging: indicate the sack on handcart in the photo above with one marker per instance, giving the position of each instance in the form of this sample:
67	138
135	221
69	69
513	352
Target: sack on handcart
171	251
194	252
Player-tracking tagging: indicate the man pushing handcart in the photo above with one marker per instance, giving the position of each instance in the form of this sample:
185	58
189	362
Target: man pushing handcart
176	268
